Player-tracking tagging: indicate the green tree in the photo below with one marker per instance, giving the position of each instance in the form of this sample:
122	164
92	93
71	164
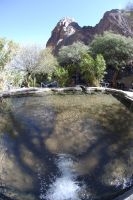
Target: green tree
61	75
8	49
72	54
92	69
70	57
116	49
47	63
15	77
100	67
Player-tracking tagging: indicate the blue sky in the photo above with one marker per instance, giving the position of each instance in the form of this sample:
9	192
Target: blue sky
31	21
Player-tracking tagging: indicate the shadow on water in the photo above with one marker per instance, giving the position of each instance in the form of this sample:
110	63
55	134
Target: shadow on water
99	138
28	151
4	197
110	166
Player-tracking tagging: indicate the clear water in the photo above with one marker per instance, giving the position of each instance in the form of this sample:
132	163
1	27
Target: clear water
65	147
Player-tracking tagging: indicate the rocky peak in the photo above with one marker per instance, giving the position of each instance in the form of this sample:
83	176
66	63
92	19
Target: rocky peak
116	21
68	31
68	26
64	29
65	21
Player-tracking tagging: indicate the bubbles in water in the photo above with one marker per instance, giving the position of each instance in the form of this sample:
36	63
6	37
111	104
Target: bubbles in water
42	182
123	182
65	165
127	182
64	187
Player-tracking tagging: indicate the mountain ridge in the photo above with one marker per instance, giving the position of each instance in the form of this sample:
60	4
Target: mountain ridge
67	30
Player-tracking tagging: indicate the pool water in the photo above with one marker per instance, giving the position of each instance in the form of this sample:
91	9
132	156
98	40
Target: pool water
65	147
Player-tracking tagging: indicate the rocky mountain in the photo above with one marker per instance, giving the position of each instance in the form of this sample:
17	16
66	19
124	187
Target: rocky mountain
68	31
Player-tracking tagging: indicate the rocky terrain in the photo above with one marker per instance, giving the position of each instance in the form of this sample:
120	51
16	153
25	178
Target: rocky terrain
68	31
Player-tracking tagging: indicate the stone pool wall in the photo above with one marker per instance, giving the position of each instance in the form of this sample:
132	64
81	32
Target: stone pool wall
79	89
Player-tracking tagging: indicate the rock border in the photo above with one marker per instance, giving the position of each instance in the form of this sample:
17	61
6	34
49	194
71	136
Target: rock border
126	196
78	89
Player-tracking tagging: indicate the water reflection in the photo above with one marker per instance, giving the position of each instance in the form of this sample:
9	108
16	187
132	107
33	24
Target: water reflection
65	147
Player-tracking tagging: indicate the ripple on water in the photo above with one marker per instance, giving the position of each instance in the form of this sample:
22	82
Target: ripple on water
65	187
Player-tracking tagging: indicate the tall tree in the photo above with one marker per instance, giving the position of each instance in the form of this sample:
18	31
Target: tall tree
92	69
8	49
35	64
70	57
116	49
47	63
61	75
72	54
26	59
23	63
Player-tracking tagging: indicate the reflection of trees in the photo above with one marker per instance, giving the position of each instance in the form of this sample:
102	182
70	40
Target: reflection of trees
4	197
106	141
26	151
5	105
30	139
102	146
5	108
111	151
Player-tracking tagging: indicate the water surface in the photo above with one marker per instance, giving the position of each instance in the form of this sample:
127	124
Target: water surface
65	147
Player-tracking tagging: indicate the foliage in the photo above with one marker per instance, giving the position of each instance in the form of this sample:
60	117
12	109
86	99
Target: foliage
2	80
26	59
70	57
117	50
92	69
72	54
22	66
47	63
12	78
31	81
7	50
35	63
100	67
61	75
87	68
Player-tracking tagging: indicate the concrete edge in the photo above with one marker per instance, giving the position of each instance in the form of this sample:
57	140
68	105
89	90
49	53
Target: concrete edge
126	196
34	90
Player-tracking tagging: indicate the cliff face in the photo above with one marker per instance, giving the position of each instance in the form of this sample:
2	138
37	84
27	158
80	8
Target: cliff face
117	21
68	31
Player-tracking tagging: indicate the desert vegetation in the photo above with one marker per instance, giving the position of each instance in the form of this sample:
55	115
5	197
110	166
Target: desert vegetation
74	64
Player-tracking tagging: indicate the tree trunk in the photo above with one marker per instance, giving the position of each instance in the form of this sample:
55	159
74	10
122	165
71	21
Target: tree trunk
114	79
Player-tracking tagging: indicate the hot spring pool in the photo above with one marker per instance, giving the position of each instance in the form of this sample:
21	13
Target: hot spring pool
65	147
